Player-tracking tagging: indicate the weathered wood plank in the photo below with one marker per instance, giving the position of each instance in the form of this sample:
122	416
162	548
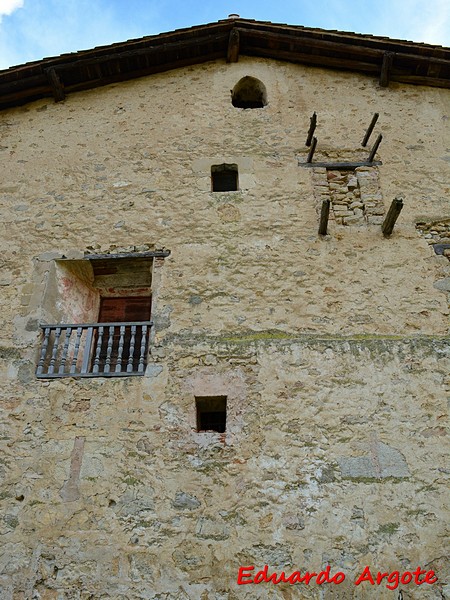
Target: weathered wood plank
302	41
24	83
161	49
421	80
106	80
314	60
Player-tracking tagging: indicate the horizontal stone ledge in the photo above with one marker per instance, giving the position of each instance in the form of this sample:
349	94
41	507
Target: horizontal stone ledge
276	336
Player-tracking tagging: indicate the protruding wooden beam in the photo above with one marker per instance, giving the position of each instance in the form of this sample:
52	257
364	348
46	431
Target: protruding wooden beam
312	150
375	148
386	68
233	46
341	166
56	85
391	217
370	129
312	127
324	213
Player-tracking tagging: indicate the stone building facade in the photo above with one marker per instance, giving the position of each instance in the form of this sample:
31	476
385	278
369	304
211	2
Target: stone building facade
286	403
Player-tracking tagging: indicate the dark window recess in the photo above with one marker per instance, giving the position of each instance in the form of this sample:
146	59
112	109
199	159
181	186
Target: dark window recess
122	310
211	413
249	92
224	178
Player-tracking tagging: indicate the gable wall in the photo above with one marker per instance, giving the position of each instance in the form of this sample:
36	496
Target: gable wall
333	352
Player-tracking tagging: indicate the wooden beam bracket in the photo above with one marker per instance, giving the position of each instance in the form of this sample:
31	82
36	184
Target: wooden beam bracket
386	68
56	84
233	46
392	216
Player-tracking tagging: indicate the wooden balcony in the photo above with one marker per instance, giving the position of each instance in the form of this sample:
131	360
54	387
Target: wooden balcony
94	350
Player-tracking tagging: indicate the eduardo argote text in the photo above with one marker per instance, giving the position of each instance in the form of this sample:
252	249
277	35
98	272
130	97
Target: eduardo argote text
249	575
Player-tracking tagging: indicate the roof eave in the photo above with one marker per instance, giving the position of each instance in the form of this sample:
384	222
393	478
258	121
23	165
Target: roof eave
383	58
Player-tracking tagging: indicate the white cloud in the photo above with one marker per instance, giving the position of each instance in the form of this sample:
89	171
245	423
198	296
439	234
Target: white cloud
52	27
9	6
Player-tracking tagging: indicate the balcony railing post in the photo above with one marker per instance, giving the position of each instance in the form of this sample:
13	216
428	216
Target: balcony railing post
109	349
73	366
120	349
143	348
51	368
43	350
62	362
87	350
131	354
98	350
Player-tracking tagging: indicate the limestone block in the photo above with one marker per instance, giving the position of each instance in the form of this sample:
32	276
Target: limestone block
385	461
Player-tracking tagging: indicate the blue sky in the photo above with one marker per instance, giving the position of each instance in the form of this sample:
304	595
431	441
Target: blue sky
34	29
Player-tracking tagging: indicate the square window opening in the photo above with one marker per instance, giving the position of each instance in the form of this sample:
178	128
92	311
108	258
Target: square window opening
211	413
224	178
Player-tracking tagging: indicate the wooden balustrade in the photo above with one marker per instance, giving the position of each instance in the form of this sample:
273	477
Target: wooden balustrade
94	350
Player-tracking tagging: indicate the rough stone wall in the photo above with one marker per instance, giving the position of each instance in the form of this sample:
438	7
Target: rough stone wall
333	353
355	194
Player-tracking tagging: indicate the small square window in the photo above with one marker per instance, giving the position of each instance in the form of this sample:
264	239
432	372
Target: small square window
211	413
224	178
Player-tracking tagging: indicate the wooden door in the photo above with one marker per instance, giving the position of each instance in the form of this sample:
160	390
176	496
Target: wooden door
124	309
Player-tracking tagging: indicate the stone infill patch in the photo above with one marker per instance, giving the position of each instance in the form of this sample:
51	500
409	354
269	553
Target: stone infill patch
355	195
437	234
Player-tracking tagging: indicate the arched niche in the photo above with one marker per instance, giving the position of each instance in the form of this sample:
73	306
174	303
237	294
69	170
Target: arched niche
249	92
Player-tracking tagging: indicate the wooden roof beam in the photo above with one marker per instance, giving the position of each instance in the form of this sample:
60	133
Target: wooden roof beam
299	43
313	59
151	51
